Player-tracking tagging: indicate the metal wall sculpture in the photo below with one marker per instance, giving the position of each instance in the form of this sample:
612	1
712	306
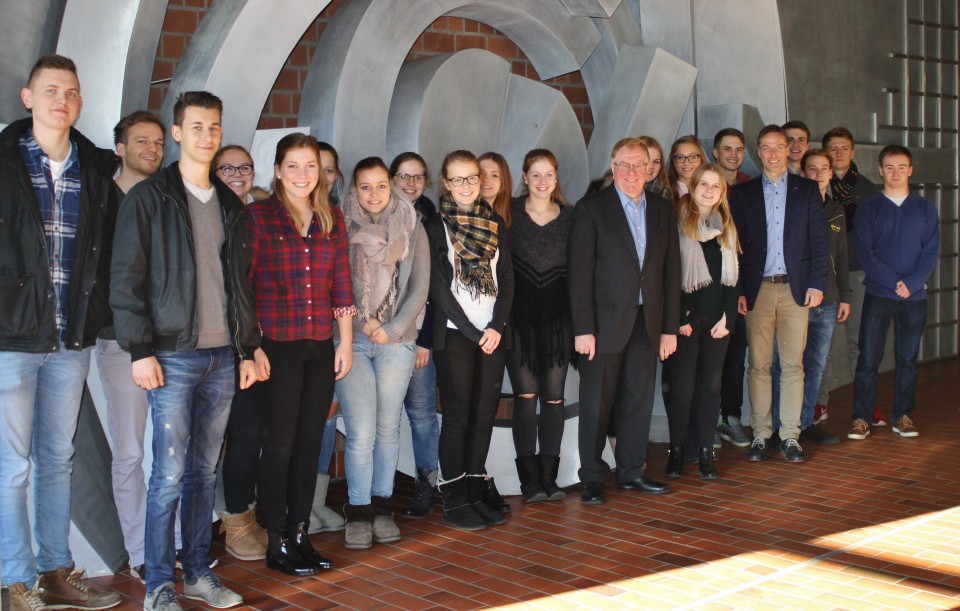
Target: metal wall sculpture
885	68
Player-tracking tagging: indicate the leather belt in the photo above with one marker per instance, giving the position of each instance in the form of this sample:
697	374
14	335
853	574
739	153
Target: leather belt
778	279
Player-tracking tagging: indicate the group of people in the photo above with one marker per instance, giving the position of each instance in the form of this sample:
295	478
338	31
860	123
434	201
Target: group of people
240	322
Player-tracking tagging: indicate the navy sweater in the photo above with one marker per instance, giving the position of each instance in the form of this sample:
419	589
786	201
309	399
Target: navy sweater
897	243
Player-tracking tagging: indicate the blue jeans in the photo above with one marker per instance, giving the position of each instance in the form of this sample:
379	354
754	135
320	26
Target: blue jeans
39	406
327	444
821	322
371	399
909	318
421	406
189	414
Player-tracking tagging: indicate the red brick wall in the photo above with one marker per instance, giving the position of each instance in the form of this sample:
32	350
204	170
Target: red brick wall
445	35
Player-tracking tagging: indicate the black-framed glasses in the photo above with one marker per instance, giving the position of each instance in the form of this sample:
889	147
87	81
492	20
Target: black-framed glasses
244	169
691	158
417	178
457	181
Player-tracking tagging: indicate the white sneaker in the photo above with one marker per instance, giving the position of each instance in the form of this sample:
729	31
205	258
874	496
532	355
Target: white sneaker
163	598
208	589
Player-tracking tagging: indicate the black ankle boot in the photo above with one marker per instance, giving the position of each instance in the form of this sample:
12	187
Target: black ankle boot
302	542
674	461
529	472
282	555
549	466
708	469
476	484
422	500
457	511
491	496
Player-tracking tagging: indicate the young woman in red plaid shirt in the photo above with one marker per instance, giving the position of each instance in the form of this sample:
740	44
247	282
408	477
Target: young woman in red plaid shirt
301	282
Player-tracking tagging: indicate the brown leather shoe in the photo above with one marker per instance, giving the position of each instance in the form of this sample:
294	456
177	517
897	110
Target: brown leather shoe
22	598
64	588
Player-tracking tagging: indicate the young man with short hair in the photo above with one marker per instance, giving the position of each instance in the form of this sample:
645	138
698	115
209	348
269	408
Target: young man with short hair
798	143
729	146
57	216
898	245
851	189
138	138
184	311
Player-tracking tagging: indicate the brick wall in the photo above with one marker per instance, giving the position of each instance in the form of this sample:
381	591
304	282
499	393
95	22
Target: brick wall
445	35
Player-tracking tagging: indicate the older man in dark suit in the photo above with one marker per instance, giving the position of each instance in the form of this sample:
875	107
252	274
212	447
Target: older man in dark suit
783	271
624	278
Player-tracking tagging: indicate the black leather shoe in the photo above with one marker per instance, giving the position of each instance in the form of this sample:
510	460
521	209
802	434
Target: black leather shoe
644	484
792	450
302	542
708	469
282	555
593	494
674	461
759	450
815	434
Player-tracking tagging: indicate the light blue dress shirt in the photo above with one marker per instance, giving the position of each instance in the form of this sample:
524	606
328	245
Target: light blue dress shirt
775	201
637	217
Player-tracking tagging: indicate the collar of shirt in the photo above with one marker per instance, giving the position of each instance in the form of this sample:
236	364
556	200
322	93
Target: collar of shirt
773	184
624	200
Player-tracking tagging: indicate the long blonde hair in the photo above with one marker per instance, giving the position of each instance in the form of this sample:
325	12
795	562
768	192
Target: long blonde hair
688	213
319	202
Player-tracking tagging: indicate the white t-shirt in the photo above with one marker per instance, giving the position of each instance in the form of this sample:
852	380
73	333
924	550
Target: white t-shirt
203	195
898	200
479	311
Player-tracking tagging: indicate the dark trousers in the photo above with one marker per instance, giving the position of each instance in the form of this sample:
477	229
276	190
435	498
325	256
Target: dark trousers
298	395
243	443
693	373
617	386
731	385
470	382
908	318
548	386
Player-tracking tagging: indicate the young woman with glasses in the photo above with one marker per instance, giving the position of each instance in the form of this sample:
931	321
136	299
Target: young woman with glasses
409	175
471	287
686	155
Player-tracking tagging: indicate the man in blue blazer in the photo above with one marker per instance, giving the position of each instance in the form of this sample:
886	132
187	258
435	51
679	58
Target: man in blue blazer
624	279
783	271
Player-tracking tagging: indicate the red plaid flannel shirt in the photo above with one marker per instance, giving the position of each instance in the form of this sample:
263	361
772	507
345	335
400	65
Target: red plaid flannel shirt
300	284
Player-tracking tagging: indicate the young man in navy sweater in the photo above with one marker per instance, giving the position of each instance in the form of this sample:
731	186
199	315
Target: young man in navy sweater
897	236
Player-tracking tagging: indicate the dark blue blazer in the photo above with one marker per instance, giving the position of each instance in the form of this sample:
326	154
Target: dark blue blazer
805	238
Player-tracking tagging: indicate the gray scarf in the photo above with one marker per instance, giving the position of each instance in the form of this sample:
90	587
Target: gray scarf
694	274
376	249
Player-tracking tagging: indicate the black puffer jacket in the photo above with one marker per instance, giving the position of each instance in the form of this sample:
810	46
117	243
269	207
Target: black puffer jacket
153	289
27	308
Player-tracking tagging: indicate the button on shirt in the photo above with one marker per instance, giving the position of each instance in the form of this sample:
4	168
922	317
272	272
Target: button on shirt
637	218
775	201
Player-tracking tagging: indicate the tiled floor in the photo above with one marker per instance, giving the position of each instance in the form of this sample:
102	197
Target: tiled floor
862	525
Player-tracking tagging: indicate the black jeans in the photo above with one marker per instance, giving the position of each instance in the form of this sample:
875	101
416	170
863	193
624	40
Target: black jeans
548	387
243	443
297	397
693	373
470	382
731	386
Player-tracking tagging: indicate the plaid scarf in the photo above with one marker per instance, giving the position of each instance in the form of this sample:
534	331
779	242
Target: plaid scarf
841	189
473	234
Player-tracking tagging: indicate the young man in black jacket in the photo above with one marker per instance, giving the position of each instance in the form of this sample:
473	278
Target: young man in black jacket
57	214
183	308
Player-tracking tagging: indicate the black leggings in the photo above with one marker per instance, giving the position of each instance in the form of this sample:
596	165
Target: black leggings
470	382
243	443
298	395
549	388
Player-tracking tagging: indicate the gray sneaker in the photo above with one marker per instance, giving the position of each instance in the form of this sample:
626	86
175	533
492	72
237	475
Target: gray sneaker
163	598
732	432
208	589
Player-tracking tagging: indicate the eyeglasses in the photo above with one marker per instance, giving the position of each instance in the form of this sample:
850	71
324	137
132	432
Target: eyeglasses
457	181
627	167
417	178
691	158
244	169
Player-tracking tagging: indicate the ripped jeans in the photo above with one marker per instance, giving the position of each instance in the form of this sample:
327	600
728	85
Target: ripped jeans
189	414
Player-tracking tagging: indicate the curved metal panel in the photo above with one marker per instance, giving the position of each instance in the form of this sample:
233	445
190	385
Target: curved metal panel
27	31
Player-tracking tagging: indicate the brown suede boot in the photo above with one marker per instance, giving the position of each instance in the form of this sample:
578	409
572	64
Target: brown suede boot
64	588
241	541
22	598
385	530
359	533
